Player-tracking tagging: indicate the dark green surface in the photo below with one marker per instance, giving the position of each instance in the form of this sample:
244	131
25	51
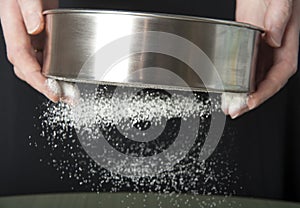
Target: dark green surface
126	200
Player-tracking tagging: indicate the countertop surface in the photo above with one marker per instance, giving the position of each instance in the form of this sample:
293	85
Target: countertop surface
129	200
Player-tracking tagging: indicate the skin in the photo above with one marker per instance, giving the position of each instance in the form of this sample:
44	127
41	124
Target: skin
279	54
23	24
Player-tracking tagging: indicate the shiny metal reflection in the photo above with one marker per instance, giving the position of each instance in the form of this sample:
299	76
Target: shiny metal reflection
73	36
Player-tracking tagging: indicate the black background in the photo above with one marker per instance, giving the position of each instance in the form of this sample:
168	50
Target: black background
263	143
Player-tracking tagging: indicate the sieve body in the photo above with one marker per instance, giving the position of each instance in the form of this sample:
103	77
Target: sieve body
74	37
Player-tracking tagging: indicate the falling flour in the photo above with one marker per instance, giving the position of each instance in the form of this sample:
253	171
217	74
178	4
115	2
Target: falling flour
110	107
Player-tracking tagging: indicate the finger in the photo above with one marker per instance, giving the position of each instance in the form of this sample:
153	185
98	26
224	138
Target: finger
32	14
237	104
234	104
285	65
19	50
225	102
276	19
274	81
245	10
239	113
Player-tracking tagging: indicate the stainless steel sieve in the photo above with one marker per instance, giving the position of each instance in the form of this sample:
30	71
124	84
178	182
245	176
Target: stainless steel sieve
136	47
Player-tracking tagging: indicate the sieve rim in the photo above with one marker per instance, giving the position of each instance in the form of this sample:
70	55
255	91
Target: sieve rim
156	15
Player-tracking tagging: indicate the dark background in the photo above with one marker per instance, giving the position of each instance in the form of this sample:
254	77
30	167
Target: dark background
263	144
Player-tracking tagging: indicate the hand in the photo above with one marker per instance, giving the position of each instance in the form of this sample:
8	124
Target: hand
23	25
281	21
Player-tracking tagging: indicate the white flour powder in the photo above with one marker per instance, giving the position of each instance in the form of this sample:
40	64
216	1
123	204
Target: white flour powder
232	103
68	92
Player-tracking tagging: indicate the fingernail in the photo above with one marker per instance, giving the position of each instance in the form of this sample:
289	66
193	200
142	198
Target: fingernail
276	41
33	22
251	104
275	36
234	116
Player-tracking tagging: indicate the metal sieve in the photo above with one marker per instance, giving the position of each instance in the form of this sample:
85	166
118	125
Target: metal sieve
87	46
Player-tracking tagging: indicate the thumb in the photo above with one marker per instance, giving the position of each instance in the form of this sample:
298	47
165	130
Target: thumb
32	15
276	19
